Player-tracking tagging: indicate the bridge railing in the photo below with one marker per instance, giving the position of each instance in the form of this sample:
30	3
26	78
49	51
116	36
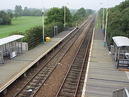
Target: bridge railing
121	93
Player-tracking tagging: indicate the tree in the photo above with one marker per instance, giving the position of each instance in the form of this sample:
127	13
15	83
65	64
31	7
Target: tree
68	16
31	12
54	15
18	10
118	21
57	15
5	18
81	13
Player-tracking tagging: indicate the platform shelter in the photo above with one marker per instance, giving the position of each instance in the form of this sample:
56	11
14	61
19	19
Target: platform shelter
120	50
10	47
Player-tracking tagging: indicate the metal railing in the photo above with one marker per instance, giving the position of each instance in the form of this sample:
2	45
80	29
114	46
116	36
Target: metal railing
121	93
1	58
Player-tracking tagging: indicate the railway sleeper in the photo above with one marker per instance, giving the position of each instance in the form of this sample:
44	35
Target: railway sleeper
67	94
41	75
76	74
79	58
69	86
73	73
69	83
44	73
78	63
76	67
68	90
74	70
73	76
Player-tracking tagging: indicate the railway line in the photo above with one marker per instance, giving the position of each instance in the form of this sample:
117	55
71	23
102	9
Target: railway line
39	74
70	85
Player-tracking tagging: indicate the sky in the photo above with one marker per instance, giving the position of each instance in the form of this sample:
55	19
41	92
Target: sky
73	4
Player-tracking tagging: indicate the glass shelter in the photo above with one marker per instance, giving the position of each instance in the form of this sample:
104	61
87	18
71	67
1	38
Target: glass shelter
10	47
120	50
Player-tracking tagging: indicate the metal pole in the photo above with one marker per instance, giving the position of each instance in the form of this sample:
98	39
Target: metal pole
43	23
64	16
103	20
106	25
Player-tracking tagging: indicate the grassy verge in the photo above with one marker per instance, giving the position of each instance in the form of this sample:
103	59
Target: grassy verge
20	24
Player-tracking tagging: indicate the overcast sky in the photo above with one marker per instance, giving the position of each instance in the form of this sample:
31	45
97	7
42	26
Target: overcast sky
74	4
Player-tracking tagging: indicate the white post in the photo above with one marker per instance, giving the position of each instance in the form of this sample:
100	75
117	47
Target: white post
103	20
106	25
64	15
43	23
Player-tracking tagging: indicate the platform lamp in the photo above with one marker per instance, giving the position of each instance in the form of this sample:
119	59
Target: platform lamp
43	23
64	16
102	23
106	24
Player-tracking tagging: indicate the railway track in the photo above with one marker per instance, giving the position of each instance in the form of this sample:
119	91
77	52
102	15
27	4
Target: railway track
71	82
33	85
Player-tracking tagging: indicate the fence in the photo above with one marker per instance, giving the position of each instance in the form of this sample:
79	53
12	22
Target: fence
121	93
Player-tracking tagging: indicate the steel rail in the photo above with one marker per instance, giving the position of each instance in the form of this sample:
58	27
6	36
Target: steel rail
43	67
67	74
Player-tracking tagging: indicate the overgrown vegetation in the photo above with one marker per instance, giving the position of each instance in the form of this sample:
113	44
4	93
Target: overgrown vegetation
56	15
54	19
81	14
20	24
118	21
5	18
19	11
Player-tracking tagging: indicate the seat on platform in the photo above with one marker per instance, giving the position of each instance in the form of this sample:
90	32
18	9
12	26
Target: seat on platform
120	50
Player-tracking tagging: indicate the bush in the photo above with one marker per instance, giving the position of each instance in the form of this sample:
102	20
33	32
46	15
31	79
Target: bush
5	18
49	29
34	36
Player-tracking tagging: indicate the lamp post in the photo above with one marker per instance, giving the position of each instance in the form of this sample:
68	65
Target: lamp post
106	24
64	16
43	24
103	19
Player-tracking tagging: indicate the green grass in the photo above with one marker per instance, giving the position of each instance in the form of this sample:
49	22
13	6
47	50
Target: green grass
20	24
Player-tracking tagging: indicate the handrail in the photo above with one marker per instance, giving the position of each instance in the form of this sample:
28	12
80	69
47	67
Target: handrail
121	93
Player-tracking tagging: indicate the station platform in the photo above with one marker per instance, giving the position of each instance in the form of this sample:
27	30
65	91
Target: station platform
102	77
14	68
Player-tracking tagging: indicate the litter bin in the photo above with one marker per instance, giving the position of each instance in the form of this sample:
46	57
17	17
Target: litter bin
48	39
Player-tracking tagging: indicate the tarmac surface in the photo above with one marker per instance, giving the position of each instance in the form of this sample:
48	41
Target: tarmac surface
102	77
14	68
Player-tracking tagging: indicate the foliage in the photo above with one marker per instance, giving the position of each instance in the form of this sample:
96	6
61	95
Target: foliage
21	24
118	21
68	19
31	12
49	29
102	16
5	18
81	14
55	15
33	36
19	11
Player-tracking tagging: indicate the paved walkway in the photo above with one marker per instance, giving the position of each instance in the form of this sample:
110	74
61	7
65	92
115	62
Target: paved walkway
14	68
103	77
